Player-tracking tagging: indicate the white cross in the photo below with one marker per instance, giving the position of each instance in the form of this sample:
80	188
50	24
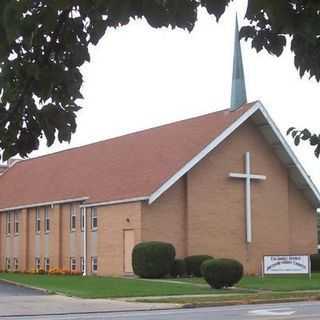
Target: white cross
248	177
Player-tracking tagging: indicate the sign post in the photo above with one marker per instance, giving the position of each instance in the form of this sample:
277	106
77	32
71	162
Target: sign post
276	265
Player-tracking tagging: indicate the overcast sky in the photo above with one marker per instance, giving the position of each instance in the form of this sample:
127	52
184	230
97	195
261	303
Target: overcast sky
140	77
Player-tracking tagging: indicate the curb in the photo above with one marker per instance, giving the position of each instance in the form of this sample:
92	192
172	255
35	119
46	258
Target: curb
247	302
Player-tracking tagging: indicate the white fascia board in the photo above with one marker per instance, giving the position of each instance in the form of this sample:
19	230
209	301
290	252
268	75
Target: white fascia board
212	145
289	151
109	203
44	204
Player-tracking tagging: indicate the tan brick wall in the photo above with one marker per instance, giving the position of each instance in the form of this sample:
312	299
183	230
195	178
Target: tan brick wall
165	219
113	220
216	203
303	223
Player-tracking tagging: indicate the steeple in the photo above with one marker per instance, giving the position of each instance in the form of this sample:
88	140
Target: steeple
238	91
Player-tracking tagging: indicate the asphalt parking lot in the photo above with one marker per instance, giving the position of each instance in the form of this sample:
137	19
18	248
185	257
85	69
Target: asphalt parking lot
7	290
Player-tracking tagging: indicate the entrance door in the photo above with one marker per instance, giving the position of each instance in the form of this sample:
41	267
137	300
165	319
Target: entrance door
128	247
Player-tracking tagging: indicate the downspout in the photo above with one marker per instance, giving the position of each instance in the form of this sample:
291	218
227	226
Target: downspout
85	241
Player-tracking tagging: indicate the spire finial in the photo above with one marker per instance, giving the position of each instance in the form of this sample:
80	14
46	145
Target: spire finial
238	91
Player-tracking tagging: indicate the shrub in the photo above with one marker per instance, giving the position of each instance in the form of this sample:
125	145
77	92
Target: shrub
315	262
193	264
178	268
220	273
153	259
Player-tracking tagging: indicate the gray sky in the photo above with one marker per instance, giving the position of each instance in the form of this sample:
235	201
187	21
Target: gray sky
140	77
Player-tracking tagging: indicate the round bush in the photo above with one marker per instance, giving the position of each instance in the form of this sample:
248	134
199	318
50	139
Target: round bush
193	264
153	259
315	262
221	273
178	268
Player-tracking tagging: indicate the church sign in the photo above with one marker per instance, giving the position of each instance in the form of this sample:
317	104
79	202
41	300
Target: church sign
286	265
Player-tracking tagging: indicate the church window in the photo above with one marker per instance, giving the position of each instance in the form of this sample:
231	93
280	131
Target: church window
46	219
8	223
38	220
82	219
94	219
73	218
16	222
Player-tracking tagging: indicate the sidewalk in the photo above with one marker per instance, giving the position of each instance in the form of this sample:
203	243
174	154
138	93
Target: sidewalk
55	304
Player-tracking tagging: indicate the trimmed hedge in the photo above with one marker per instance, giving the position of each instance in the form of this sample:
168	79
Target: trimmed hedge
222	273
178	268
153	259
315	262
193	264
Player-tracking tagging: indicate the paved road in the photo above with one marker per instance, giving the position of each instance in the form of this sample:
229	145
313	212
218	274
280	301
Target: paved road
290	311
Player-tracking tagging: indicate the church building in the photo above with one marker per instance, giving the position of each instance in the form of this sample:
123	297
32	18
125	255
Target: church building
225	184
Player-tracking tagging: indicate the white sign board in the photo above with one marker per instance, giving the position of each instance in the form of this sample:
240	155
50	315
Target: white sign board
286	265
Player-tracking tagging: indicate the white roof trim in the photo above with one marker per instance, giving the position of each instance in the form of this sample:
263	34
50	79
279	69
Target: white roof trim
109	203
288	149
226	133
43	204
212	145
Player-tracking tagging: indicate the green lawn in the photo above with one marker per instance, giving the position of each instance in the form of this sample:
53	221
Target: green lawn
282	283
274	283
107	287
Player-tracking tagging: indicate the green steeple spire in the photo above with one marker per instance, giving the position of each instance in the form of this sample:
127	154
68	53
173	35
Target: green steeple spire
238	91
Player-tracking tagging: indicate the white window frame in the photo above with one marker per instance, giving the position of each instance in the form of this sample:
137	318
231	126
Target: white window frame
8	223
46	264
94	264
73	218
73	264
8	264
16	215
37	264
16	264
46	219
94	217
37	221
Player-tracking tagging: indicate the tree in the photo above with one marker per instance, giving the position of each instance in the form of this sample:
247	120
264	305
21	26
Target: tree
44	43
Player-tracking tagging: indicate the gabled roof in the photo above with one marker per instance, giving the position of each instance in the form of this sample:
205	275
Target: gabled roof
137	166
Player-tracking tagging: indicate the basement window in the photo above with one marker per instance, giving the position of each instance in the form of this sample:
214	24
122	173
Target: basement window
16	264
73	264
82	264
8	264
37	264
46	264
94	264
